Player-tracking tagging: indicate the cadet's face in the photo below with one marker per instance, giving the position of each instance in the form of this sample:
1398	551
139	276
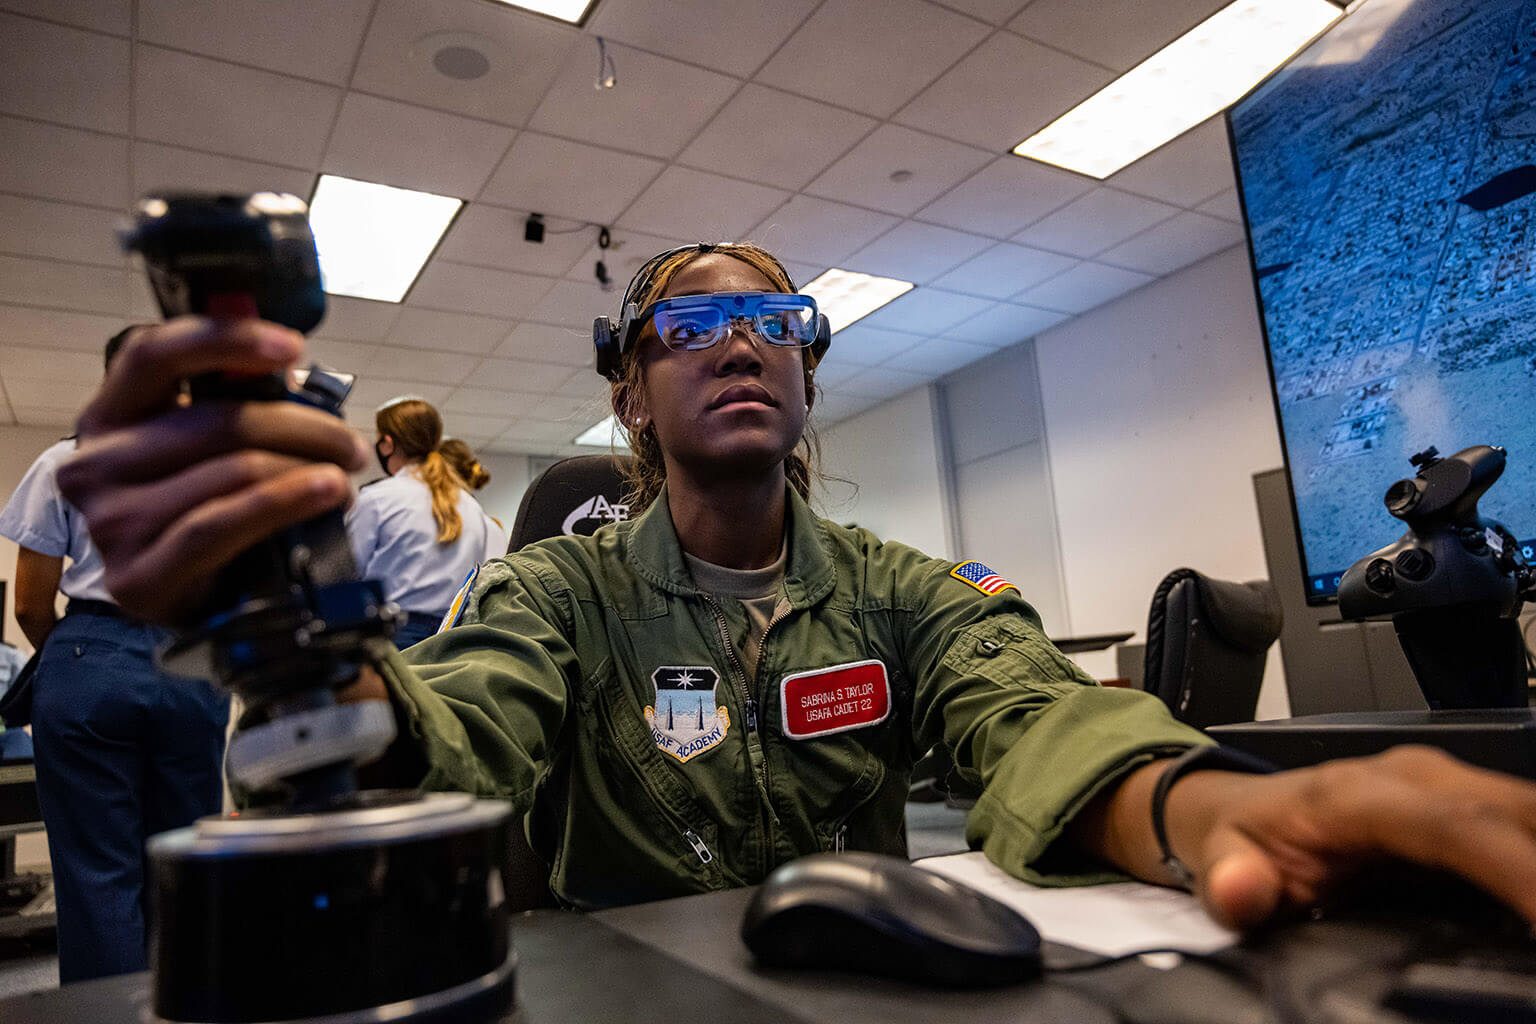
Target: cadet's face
737	406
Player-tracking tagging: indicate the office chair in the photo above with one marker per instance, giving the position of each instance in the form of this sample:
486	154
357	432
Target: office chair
1206	641
574	496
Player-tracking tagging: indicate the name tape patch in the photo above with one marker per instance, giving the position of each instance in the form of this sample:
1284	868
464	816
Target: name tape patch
823	701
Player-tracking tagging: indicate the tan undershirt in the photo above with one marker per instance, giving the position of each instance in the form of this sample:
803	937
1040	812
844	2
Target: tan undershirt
760	591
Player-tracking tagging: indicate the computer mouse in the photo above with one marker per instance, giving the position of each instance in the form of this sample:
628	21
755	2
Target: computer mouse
873	914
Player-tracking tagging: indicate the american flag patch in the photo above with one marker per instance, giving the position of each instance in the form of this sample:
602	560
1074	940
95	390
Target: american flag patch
980	577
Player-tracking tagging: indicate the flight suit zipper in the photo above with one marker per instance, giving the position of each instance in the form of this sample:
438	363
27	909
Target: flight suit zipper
749	706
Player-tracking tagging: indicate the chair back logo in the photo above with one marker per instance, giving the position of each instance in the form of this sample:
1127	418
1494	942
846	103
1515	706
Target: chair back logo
596	508
685	718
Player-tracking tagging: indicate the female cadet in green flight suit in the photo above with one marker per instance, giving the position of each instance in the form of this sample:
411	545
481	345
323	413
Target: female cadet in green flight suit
568	655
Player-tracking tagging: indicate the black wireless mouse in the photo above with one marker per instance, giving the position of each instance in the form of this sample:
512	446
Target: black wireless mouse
873	914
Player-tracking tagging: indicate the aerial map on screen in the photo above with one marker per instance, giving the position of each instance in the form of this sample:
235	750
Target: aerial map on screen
1389	186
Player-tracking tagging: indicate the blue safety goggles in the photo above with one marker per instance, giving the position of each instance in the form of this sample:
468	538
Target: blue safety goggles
686	323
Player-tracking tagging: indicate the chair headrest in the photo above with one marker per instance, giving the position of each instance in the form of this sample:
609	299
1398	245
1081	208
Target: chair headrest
574	496
1247	616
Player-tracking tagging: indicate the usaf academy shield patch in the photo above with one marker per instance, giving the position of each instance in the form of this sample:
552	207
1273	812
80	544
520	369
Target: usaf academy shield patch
685	719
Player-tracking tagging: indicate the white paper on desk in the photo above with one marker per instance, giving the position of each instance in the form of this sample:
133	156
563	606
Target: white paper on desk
1116	918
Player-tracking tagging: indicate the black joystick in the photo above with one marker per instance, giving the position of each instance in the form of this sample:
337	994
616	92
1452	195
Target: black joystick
1453	583
322	901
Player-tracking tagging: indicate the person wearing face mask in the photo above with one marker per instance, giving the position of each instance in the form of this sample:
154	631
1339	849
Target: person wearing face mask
420	531
728	681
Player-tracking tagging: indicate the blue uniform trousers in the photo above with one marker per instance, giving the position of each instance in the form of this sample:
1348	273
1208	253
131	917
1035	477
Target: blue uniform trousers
123	752
418	626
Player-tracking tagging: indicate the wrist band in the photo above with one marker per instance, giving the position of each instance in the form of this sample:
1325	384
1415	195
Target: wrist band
1213	757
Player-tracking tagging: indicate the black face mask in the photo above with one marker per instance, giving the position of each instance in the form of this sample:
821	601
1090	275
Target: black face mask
383	459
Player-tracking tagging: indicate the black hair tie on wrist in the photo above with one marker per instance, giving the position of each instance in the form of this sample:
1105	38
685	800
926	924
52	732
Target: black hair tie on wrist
1213	757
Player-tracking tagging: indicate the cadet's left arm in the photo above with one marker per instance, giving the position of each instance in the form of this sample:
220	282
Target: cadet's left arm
1067	765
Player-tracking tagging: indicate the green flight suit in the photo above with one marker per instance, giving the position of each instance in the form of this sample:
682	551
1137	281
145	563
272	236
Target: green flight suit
546	682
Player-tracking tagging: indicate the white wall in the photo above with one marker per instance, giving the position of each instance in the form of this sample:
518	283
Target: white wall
892	453
1157	415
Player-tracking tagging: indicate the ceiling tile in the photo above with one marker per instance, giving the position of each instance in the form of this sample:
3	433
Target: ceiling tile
819	230
52	392
695	204
358	319
399	144
993	12
62	74
871	55
836	406
1003	92
525	376
1093	223
1225	205
926	311
561	178
832	373
73	286
1176	242
937	356
916	252
932	167
39	416
448	332
706	32
541	432
464	424
574	305
23	327
295	37
1187	171
484	402
1116	33
1004	196
1004	324
523	53
371	392
158	168
883	382
493	237
63	163
61	231
821	134
570	346
460	288
1084	287
218	107
420	365
585	384
656	107
50	362
860	345
559	408
626	252
346	356
114	16
1004	270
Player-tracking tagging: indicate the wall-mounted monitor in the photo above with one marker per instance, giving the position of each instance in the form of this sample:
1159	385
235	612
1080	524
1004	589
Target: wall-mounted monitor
1388	180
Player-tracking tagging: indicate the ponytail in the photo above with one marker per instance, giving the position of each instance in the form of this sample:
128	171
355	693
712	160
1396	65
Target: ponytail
444	485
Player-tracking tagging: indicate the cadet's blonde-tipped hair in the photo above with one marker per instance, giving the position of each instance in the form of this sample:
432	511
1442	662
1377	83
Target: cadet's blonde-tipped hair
417	429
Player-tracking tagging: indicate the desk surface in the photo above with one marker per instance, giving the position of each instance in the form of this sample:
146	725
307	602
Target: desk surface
682	959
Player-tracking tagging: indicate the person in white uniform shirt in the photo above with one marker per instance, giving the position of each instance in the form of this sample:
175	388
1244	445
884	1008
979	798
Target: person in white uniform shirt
421	532
123	750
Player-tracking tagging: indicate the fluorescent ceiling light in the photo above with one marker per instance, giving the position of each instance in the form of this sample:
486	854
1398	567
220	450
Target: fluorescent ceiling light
604	435
374	239
572	11
1197	75
846	296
